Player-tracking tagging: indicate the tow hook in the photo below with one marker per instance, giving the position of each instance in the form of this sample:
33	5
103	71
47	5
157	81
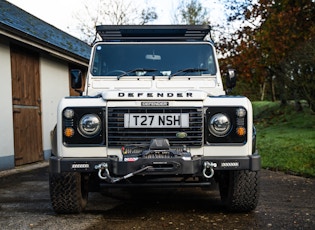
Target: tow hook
104	174
208	170
103	169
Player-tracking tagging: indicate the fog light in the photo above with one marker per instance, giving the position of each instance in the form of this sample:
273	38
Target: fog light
69	132
80	166
241	131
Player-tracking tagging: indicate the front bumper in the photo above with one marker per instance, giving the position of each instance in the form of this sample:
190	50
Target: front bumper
159	166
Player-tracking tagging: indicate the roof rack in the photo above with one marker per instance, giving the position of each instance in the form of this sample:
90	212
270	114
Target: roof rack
153	32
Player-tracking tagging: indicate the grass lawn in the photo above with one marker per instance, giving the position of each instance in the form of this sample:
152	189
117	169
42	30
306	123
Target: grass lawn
285	138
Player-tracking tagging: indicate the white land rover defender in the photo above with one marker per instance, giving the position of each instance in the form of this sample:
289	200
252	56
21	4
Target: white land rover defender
154	113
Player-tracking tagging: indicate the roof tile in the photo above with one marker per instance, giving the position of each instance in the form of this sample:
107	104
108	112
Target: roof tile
17	19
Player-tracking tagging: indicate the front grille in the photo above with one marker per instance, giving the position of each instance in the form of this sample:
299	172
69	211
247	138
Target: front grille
118	135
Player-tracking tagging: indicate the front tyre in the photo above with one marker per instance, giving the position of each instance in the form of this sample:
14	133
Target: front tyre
68	192
239	190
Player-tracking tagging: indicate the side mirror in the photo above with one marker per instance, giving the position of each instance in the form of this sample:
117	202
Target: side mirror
76	78
230	79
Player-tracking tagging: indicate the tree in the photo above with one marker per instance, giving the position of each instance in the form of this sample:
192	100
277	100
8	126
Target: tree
299	67
191	13
268	33
113	12
148	15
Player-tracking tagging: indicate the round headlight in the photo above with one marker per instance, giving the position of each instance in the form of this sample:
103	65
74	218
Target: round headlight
219	125
90	125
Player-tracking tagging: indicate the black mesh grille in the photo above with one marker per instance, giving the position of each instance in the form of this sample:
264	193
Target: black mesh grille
120	136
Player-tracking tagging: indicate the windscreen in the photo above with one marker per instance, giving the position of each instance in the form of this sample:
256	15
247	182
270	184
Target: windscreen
193	59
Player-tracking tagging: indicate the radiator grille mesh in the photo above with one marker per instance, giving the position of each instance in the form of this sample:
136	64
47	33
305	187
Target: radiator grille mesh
118	135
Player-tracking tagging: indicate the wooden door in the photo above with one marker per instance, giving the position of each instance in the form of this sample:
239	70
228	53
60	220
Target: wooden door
26	106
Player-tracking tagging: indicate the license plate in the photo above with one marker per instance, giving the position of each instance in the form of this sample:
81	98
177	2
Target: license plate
152	120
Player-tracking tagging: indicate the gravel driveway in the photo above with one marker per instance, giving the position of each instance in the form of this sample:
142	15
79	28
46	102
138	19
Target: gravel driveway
286	202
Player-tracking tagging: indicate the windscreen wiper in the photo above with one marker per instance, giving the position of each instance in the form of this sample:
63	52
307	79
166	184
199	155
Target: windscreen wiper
136	70
188	70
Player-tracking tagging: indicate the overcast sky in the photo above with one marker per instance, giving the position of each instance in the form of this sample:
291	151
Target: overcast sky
61	13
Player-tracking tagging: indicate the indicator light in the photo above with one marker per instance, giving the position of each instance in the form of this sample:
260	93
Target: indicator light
241	131
69	132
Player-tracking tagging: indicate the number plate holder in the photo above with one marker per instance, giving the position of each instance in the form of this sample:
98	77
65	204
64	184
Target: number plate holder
153	120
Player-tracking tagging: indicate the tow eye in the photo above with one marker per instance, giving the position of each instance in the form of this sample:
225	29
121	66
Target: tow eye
208	170
103	173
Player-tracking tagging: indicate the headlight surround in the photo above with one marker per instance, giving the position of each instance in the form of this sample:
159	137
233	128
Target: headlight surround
90	125
219	125
231	127
83	126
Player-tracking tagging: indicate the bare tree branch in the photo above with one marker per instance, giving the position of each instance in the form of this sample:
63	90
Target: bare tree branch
112	12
